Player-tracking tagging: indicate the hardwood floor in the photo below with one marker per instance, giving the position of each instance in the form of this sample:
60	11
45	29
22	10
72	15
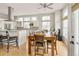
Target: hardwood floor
62	49
23	50
14	51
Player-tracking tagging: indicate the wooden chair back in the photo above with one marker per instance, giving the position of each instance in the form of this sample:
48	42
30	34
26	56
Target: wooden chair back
32	38
39	37
7	34
54	39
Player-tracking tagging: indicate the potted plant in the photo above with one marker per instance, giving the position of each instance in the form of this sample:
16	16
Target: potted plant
31	24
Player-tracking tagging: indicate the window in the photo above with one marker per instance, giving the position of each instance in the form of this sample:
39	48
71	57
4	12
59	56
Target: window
20	22
65	29
26	24
33	18
46	23
27	19
20	19
46	18
34	21
46	26
65	24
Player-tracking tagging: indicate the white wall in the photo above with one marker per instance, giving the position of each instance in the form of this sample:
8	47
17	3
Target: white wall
1	24
3	16
57	20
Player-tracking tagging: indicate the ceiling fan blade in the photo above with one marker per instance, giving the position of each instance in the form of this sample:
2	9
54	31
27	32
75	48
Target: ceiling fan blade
50	7
42	4
50	4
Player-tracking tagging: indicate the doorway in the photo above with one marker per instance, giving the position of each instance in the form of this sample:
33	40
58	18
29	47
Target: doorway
75	25
73	33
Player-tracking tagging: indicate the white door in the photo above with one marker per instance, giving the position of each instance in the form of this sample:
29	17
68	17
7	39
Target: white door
70	32
75	33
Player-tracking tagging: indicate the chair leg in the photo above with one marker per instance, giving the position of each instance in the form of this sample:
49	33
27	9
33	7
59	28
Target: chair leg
43	49
56	50
17	43
8	46
35	51
47	47
1	43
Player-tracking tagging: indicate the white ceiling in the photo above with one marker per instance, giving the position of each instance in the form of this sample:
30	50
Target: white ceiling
29	8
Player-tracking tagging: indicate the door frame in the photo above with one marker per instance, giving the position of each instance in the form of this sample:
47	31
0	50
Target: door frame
71	50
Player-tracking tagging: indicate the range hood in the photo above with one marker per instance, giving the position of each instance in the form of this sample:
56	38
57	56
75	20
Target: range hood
10	14
10	24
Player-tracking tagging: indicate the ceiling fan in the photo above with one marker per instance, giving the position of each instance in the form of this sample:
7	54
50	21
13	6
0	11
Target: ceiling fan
45	5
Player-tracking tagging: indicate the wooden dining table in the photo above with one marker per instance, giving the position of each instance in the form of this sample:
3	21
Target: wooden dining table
47	37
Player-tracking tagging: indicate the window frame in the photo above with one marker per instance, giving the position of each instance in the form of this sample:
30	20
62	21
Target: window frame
46	21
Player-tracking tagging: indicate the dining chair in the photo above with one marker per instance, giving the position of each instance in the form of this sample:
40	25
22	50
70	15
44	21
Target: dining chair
39	43
55	44
9	40
1	42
